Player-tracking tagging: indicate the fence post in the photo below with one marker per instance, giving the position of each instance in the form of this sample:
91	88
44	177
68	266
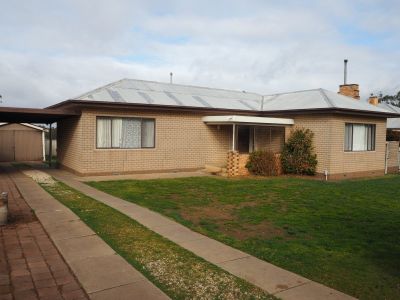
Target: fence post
3	208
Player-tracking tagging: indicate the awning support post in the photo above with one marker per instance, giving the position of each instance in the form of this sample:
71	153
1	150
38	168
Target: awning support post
50	145
233	136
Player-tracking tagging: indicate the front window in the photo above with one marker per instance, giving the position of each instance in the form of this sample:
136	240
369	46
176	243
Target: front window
359	137
125	133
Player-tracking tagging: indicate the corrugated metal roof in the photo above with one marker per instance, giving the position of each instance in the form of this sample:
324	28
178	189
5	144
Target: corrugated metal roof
316	99
157	93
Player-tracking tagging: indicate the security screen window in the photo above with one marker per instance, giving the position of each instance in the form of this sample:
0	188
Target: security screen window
125	133
359	137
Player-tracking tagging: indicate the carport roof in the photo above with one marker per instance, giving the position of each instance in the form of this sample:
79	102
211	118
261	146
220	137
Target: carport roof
33	115
392	123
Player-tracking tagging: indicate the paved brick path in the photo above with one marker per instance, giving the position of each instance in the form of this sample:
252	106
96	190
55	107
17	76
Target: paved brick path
30	265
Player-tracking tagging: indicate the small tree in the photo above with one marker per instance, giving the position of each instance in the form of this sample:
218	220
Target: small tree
391	99
298	155
262	162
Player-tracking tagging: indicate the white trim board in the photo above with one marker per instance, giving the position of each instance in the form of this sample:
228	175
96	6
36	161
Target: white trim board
234	119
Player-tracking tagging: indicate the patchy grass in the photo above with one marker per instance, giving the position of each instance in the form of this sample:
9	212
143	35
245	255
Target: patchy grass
178	272
343	234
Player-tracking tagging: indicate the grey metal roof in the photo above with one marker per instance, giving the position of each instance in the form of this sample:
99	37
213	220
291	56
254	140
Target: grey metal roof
165	94
157	93
316	99
392	123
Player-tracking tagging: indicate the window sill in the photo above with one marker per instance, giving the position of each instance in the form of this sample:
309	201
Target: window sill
361	151
123	149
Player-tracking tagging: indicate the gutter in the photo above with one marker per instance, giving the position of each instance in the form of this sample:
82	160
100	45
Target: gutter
89	103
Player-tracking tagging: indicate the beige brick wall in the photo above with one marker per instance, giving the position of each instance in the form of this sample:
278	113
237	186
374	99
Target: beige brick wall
69	143
321	126
329	145
347	162
183	141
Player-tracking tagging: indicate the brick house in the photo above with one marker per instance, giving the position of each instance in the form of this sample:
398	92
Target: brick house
140	126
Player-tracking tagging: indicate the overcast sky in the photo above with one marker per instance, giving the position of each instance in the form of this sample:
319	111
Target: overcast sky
55	50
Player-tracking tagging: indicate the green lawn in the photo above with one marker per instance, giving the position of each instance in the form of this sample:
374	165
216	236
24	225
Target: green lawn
178	272
343	234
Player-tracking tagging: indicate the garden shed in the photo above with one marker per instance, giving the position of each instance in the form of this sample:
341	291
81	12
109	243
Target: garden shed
21	142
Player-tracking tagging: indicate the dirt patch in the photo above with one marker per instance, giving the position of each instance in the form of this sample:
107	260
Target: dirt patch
227	222
263	230
220	214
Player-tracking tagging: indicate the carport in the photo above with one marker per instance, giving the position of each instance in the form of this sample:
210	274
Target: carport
36	115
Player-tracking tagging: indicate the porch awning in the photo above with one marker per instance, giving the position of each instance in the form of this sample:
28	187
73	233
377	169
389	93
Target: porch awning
246	120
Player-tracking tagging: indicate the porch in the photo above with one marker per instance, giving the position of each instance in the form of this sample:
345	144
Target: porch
250	134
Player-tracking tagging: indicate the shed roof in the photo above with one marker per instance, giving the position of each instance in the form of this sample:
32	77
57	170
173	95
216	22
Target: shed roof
24	124
150	93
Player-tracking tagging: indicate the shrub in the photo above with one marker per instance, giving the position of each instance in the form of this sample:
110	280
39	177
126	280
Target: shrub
298	155
263	163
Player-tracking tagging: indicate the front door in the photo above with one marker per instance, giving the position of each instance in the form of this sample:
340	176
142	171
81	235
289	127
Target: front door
243	137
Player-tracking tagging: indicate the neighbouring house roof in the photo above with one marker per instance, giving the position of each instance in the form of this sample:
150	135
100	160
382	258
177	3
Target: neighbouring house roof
149	93
216	120
392	123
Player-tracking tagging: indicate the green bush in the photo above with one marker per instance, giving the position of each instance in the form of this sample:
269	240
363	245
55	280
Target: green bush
298	155
263	163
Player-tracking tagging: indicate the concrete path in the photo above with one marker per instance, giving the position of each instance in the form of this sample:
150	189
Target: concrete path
30	265
274	280
102	273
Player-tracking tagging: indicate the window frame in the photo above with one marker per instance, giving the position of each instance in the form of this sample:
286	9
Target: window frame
369	127
124	117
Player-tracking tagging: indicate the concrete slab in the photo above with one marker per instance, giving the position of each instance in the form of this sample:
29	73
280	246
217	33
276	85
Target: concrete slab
68	230
179	233
142	290
83	247
213	251
263	274
111	271
56	216
41	205
313	291
151	220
